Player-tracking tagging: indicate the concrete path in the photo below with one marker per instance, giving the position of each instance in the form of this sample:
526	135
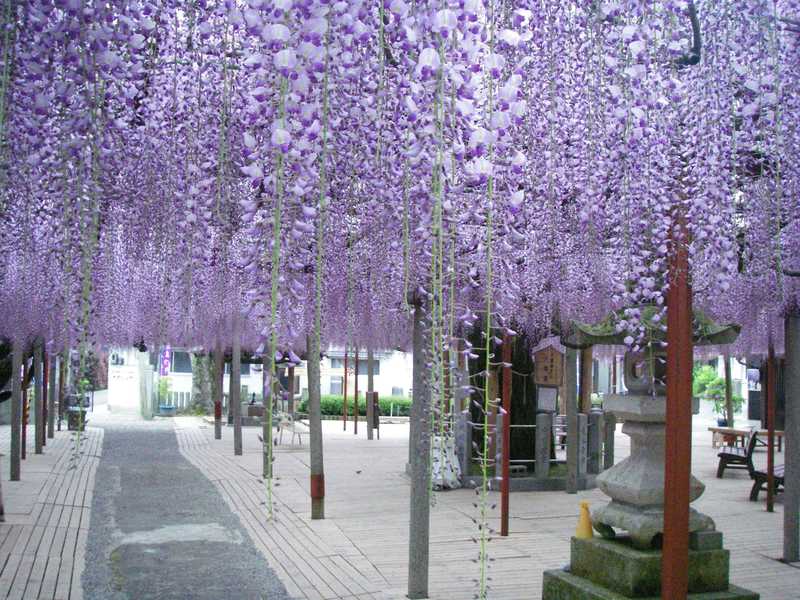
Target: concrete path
160	529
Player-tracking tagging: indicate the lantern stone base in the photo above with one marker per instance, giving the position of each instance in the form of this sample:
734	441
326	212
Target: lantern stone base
643	524
616	570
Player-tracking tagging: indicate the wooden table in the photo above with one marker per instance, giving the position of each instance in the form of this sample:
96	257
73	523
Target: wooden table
740	436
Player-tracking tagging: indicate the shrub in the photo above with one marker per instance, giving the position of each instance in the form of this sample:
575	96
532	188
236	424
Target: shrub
701	378
707	385
332	405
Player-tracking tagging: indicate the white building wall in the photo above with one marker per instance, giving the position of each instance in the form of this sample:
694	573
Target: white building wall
124	385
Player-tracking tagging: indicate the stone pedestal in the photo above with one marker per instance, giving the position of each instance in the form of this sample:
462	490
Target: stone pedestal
616	570
636	489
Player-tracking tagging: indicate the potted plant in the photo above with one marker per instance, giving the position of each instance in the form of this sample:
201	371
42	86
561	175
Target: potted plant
708	385
719	406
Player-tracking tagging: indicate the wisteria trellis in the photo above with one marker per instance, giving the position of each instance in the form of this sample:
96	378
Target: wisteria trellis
309	165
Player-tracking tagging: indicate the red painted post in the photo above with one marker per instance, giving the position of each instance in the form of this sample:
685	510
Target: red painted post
505	485
678	452
770	397
355	398
344	391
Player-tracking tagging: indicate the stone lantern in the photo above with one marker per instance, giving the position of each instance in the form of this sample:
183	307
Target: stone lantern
626	561
636	484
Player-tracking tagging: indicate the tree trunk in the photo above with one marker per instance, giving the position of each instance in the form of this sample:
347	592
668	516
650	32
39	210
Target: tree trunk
268	393
218	386
315	429
370	389
420	444
51	396
290	388
23	443
202	380
355	397
571	405
234	394
16	411
728	391
791	495
38	399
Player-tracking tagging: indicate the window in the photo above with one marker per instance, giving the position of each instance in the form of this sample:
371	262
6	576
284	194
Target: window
181	362
336	386
245	368
362	367
337	363
397	391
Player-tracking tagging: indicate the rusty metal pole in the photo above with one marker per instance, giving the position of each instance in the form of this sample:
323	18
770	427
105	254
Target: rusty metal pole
505	485
355	397
771	384
344	391
678	452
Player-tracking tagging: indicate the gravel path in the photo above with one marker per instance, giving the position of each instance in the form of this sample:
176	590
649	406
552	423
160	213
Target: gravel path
159	529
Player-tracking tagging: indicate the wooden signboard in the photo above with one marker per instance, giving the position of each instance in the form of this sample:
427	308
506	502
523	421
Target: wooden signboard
548	367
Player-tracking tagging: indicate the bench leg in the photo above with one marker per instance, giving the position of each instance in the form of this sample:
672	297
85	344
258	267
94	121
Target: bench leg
757	484
721	468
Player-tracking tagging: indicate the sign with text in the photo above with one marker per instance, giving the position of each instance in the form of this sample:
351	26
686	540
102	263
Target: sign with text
546	398
548	367
166	359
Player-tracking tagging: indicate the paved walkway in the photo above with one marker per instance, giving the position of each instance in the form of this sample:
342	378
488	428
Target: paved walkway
361	549
163	499
161	531
43	539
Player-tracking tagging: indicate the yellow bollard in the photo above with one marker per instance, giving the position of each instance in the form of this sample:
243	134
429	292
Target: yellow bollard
584	529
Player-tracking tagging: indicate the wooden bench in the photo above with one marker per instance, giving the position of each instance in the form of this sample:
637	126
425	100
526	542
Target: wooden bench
733	457
736	435
760	481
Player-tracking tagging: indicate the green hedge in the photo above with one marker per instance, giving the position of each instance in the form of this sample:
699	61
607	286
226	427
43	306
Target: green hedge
332	405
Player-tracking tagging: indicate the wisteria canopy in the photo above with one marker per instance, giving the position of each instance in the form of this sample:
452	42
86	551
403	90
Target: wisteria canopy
169	167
